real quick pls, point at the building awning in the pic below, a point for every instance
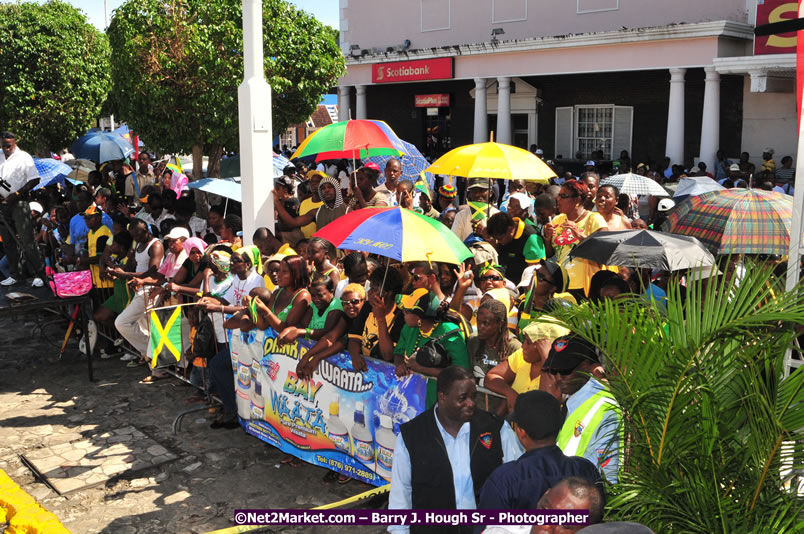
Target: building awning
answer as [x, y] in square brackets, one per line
[771, 73]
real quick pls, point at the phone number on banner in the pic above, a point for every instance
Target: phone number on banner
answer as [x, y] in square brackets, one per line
[411, 517]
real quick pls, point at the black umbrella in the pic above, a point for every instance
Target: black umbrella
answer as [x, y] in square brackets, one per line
[644, 249]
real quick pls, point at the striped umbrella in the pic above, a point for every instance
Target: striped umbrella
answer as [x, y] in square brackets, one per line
[736, 221]
[635, 184]
[354, 139]
[413, 163]
[396, 233]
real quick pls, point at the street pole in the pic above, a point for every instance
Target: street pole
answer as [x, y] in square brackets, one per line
[254, 115]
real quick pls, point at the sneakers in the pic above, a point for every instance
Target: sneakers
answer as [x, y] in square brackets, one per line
[8, 282]
[128, 357]
[37, 282]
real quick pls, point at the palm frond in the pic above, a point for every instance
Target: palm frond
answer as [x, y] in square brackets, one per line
[708, 418]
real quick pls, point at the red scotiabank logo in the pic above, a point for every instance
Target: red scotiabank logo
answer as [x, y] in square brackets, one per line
[409, 71]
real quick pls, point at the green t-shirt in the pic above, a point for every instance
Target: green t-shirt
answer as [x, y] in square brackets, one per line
[411, 339]
[319, 319]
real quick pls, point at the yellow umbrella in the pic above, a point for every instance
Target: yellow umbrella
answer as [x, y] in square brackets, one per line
[492, 160]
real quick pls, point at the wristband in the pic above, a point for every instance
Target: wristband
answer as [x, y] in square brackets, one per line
[307, 333]
[199, 294]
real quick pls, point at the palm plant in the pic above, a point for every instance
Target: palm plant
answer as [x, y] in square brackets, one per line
[710, 422]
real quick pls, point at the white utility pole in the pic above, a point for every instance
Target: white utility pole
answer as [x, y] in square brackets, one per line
[254, 105]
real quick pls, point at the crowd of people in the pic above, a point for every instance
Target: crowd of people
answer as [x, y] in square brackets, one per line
[481, 327]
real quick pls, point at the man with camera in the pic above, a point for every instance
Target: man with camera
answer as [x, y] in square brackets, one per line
[18, 176]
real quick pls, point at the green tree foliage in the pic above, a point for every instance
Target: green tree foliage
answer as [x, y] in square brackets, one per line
[54, 73]
[712, 426]
[176, 67]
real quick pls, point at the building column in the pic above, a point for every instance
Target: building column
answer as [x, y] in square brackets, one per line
[533, 129]
[675, 117]
[360, 108]
[504, 110]
[344, 104]
[481, 112]
[710, 125]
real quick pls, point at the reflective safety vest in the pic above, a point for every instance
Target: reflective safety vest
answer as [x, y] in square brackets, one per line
[582, 424]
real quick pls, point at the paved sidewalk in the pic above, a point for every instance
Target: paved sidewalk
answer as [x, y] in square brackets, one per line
[47, 403]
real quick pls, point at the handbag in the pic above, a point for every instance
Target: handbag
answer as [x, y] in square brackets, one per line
[203, 345]
[433, 353]
[71, 284]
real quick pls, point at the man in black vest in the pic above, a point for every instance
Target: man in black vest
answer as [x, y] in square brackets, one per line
[443, 456]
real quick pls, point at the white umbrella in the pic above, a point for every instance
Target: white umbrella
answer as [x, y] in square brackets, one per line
[694, 186]
[634, 184]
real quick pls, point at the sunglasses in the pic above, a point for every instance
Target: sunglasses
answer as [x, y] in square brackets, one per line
[417, 277]
[237, 260]
[491, 277]
[566, 196]
[353, 302]
[542, 278]
[563, 372]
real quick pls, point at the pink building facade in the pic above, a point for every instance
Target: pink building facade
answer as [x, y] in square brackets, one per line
[655, 78]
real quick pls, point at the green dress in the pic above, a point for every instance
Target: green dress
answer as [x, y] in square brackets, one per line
[411, 339]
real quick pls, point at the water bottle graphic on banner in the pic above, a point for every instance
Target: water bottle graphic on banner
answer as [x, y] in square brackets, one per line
[337, 432]
[362, 442]
[385, 447]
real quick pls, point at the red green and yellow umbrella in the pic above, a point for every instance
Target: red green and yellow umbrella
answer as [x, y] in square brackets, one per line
[353, 139]
[396, 233]
[736, 221]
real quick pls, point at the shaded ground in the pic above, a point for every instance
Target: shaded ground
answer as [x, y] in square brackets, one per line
[45, 401]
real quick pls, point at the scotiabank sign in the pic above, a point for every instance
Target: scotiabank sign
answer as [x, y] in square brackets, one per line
[775, 11]
[412, 71]
[432, 101]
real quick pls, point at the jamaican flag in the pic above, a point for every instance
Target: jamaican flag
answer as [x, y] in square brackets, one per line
[165, 337]
[480, 211]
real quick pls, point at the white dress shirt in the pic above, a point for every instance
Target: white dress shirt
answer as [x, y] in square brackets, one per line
[18, 169]
[401, 498]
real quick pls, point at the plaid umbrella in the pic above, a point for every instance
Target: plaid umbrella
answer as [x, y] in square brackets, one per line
[634, 184]
[50, 168]
[736, 221]
[413, 163]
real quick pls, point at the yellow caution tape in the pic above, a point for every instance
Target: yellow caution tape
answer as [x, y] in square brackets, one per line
[22, 513]
[359, 497]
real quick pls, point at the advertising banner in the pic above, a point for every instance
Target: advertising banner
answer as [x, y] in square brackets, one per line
[431, 101]
[769, 11]
[411, 71]
[340, 419]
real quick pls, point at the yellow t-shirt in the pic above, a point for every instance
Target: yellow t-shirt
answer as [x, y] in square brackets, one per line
[92, 245]
[580, 271]
[522, 381]
[307, 206]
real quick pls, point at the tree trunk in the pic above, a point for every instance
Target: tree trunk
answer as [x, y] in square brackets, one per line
[198, 162]
[214, 164]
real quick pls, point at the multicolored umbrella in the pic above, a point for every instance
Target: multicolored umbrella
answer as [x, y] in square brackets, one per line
[635, 184]
[736, 221]
[354, 139]
[413, 164]
[396, 233]
[492, 160]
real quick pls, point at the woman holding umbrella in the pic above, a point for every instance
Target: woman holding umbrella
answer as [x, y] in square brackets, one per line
[568, 230]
